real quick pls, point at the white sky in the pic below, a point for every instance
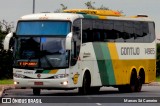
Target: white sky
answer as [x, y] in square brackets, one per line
[12, 10]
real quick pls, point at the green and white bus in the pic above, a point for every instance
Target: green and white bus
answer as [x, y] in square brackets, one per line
[84, 49]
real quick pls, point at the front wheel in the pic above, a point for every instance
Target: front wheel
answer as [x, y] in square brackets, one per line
[85, 89]
[36, 91]
[95, 90]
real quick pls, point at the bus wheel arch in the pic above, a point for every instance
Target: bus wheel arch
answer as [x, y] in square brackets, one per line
[86, 83]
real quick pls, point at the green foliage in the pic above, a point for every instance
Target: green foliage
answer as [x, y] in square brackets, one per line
[158, 60]
[158, 78]
[89, 5]
[103, 8]
[6, 81]
[5, 56]
[63, 7]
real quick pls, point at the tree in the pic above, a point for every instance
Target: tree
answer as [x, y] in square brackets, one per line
[89, 5]
[103, 8]
[63, 7]
[5, 56]
[158, 60]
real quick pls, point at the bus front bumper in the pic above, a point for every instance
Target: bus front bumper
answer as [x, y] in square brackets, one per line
[41, 83]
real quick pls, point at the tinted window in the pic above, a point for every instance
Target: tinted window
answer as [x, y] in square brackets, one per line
[87, 31]
[151, 31]
[43, 28]
[117, 31]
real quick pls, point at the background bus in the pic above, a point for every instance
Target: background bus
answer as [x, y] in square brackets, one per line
[84, 49]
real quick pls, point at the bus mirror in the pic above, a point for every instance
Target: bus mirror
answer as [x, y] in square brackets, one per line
[68, 41]
[7, 40]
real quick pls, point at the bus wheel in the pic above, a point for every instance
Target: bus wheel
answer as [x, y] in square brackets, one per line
[36, 91]
[95, 89]
[122, 88]
[138, 85]
[85, 89]
[133, 81]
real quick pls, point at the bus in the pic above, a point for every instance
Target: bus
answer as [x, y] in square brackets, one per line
[85, 49]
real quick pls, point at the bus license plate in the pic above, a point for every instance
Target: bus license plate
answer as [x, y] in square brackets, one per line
[38, 83]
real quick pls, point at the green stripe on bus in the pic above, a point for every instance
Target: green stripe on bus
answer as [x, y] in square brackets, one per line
[42, 71]
[104, 63]
[101, 63]
[46, 71]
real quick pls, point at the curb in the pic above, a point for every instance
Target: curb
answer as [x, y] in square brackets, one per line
[5, 87]
[1, 91]
[154, 84]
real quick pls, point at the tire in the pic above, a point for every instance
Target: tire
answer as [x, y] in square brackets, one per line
[36, 91]
[138, 85]
[133, 81]
[85, 89]
[95, 90]
[132, 87]
[122, 88]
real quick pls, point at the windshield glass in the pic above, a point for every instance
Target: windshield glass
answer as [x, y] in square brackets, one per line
[41, 52]
[30, 28]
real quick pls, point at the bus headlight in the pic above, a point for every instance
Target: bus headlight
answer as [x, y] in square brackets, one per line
[60, 76]
[18, 75]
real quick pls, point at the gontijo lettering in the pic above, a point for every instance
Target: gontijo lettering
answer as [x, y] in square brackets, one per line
[130, 51]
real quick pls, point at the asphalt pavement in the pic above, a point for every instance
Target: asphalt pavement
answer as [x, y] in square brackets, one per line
[108, 96]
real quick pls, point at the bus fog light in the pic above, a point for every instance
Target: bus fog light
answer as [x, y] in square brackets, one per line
[65, 82]
[15, 83]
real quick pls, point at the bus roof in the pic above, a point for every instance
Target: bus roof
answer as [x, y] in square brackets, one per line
[52, 16]
[71, 15]
[95, 12]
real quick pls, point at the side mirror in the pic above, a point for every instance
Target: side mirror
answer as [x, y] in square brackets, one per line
[7, 40]
[68, 41]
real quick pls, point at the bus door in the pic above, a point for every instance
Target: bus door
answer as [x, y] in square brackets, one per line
[75, 64]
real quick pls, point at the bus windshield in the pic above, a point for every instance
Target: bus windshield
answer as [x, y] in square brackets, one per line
[41, 52]
[31, 28]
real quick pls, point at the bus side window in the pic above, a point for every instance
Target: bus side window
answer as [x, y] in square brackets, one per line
[84, 37]
[151, 27]
[96, 36]
[105, 36]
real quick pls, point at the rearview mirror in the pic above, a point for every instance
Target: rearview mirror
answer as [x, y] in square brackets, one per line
[7, 40]
[68, 41]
